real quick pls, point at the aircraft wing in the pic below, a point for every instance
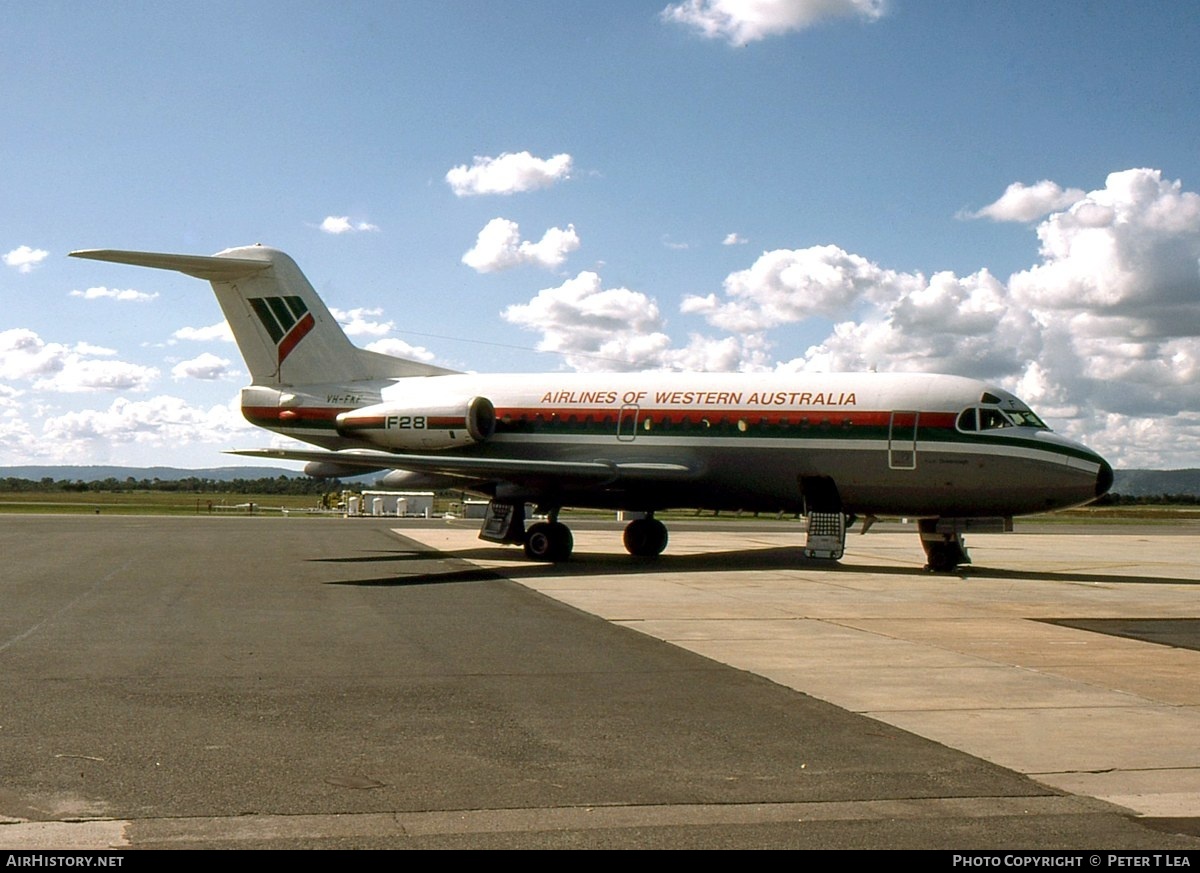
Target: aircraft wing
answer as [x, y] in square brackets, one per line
[599, 472]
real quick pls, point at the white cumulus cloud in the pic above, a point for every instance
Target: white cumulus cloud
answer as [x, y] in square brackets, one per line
[158, 422]
[206, 366]
[398, 348]
[337, 224]
[80, 375]
[596, 328]
[127, 295]
[86, 348]
[218, 331]
[72, 369]
[946, 324]
[785, 286]
[509, 173]
[499, 247]
[1023, 203]
[25, 355]
[1130, 249]
[360, 322]
[23, 258]
[744, 21]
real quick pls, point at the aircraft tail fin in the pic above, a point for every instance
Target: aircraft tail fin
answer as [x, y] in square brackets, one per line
[284, 330]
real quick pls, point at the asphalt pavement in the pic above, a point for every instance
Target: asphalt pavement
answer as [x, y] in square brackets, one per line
[295, 683]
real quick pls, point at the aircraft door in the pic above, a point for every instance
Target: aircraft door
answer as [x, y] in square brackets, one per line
[627, 421]
[902, 440]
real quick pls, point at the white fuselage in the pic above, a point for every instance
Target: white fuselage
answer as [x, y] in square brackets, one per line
[891, 443]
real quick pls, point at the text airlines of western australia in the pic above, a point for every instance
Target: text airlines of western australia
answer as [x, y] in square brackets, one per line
[706, 398]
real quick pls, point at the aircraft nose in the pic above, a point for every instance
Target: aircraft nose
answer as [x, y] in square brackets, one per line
[1104, 478]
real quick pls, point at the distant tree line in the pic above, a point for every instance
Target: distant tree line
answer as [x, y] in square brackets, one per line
[188, 485]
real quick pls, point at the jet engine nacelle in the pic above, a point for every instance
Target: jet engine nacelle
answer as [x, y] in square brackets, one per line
[421, 426]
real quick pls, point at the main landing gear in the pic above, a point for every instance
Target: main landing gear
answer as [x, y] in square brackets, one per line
[551, 540]
[645, 537]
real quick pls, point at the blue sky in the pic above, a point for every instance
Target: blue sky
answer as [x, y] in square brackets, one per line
[722, 185]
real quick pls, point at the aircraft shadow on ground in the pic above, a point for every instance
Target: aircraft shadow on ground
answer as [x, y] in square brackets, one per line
[583, 564]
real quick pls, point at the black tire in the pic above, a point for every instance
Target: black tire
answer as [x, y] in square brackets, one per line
[645, 537]
[549, 541]
[943, 558]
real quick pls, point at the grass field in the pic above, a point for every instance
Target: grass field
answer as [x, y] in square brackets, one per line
[155, 503]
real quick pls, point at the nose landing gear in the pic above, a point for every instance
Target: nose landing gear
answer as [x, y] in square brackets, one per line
[944, 549]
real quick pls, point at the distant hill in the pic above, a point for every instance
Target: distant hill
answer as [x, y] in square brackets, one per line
[1149, 483]
[165, 474]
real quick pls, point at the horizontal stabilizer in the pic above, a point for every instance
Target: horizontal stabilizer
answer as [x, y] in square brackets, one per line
[283, 329]
[214, 269]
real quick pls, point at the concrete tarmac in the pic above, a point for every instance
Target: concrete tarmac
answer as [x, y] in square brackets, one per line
[263, 683]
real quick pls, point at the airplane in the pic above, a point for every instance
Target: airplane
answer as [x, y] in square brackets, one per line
[954, 453]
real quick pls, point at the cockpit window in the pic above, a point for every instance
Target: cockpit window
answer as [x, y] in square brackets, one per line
[991, 418]
[1026, 419]
[978, 418]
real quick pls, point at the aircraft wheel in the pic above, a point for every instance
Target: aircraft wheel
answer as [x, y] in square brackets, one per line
[945, 557]
[944, 552]
[645, 537]
[941, 560]
[549, 541]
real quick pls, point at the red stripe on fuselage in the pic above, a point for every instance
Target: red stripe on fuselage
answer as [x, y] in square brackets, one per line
[298, 416]
[751, 416]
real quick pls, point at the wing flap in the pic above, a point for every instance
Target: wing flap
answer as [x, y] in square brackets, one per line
[596, 472]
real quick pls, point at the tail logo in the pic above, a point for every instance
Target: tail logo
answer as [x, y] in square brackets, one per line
[286, 319]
